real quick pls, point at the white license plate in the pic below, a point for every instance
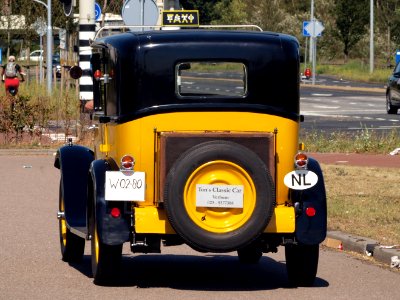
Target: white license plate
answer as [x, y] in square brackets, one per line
[125, 186]
[227, 196]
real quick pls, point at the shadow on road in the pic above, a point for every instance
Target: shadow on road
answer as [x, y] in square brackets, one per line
[205, 273]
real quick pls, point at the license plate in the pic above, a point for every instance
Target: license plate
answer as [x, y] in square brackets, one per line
[125, 186]
[226, 196]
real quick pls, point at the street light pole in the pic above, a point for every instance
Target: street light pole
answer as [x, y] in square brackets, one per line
[313, 45]
[49, 63]
[371, 38]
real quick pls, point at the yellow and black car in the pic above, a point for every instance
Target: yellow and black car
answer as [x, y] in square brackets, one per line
[197, 143]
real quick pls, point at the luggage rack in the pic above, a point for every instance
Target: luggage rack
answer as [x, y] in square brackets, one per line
[124, 28]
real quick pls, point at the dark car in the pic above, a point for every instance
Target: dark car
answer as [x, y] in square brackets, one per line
[56, 65]
[393, 92]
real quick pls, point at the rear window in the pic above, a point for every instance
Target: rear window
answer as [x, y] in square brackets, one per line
[211, 79]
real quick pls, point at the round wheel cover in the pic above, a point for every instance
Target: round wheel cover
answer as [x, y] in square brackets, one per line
[219, 227]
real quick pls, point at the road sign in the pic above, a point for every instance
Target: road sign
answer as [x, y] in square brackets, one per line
[97, 11]
[40, 26]
[312, 28]
[140, 12]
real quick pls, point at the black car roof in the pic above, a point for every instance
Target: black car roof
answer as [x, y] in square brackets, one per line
[145, 68]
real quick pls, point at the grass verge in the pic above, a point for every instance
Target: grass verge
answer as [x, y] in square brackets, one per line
[364, 141]
[355, 70]
[364, 201]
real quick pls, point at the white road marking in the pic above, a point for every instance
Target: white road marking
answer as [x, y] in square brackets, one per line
[322, 95]
[326, 106]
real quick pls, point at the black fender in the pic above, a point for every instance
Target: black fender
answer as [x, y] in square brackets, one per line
[311, 230]
[74, 162]
[111, 231]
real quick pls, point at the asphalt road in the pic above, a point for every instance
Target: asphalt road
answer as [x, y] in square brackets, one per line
[346, 106]
[31, 265]
[330, 105]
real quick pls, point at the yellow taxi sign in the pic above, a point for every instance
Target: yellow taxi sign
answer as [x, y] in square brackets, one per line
[180, 18]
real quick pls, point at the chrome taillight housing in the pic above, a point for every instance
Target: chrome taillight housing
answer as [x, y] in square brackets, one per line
[127, 163]
[300, 161]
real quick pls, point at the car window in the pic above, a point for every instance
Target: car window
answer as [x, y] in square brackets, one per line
[397, 69]
[211, 79]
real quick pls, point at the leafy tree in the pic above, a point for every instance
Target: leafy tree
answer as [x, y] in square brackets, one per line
[388, 21]
[206, 9]
[231, 12]
[295, 6]
[352, 16]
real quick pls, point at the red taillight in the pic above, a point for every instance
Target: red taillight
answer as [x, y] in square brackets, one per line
[301, 160]
[127, 162]
[115, 212]
[310, 211]
[97, 74]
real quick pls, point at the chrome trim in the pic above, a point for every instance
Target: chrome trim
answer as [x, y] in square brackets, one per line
[61, 215]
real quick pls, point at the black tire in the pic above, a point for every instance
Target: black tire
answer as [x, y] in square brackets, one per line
[250, 254]
[105, 259]
[184, 216]
[302, 264]
[392, 110]
[72, 246]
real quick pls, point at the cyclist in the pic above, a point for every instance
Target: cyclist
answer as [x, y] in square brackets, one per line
[9, 75]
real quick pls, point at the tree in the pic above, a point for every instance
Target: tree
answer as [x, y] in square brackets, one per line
[388, 20]
[231, 12]
[206, 9]
[352, 17]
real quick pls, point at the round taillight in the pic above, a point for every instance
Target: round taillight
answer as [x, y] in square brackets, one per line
[301, 160]
[127, 162]
[115, 212]
[310, 211]
[97, 74]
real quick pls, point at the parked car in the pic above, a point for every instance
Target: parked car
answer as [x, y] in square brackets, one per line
[56, 65]
[196, 142]
[36, 55]
[393, 91]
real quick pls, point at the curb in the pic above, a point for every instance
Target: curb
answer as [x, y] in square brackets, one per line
[345, 88]
[16, 152]
[365, 246]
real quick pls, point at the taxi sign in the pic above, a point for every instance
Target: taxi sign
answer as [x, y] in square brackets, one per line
[180, 18]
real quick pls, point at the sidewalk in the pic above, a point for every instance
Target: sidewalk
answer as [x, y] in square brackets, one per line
[355, 159]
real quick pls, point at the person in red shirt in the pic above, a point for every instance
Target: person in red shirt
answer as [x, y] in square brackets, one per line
[9, 75]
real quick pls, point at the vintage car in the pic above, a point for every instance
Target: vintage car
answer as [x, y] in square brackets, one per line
[196, 142]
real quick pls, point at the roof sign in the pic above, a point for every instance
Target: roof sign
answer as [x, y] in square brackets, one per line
[180, 18]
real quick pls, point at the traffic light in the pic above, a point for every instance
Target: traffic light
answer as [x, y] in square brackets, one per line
[67, 5]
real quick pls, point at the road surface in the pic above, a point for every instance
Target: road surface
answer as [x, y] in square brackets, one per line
[329, 109]
[31, 266]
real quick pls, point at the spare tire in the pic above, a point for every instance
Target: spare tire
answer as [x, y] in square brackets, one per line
[219, 228]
